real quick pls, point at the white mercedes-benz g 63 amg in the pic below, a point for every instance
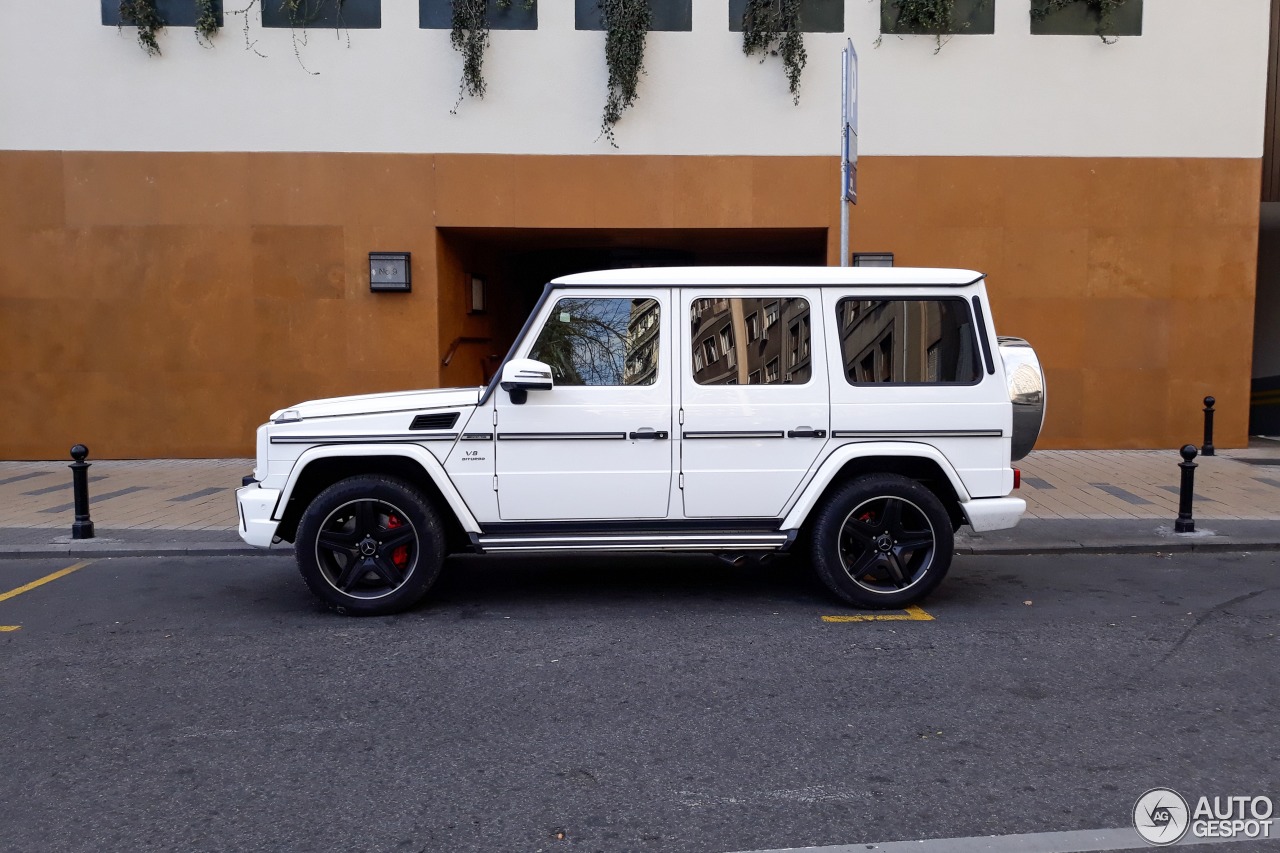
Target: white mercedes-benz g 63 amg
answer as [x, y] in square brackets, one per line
[859, 415]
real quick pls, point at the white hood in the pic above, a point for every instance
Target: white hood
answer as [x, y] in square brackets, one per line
[397, 401]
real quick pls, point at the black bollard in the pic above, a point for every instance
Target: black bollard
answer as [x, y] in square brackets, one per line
[1207, 447]
[1185, 523]
[83, 526]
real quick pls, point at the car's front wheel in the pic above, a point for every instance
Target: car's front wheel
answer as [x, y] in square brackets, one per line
[882, 541]
[370, 546]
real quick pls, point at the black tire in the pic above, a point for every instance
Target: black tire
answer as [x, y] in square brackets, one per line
[370, 546]
[882, 541]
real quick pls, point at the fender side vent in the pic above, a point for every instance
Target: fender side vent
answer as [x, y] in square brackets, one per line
[441, 420]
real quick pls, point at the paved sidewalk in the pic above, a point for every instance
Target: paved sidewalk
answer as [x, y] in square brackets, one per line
[1095, 501]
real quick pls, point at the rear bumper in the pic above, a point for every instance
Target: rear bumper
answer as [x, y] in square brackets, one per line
[255, 506]
[993, 513]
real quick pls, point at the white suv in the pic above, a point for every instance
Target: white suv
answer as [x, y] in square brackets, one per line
[860, 415]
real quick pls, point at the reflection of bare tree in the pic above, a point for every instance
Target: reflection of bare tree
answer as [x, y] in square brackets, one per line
[585, 341]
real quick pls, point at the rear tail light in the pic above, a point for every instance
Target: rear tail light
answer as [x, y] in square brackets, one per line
[1017, 478]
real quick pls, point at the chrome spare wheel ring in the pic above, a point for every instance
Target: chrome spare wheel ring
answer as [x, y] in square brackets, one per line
[886, 544]
[367, 548]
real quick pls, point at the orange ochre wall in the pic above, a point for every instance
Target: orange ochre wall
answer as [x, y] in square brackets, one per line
[162, 305]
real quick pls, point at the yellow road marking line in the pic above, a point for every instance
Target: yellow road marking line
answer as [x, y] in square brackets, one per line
[44, 580]
[911, 614]
[4, 628]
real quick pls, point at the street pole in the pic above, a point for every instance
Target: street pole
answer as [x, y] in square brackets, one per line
[844, 202]
[844, 159]
[848, 143]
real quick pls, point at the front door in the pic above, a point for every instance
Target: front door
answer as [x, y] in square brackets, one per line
[598, 444]
[753, 399]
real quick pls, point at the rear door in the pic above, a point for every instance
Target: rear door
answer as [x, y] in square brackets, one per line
[908, 365]
[754, 404]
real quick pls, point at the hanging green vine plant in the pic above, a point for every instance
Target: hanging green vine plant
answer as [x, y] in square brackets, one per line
[303, 13]
[772, 28]
[470, 37]
[143, 15]
[206, 22]
[1105, 8]
[249, 43]
[626, 25]
[931, 17]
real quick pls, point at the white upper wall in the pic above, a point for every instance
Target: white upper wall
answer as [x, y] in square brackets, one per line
[1193, 85]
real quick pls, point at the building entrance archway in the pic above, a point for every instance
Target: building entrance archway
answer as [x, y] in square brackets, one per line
[513, 265]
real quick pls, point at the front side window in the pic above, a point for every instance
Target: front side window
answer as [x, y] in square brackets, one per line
[600, 341]
[739, 341]
[908, 342]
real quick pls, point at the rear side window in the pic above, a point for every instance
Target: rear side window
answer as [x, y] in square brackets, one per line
[907, 342]
[751, 341]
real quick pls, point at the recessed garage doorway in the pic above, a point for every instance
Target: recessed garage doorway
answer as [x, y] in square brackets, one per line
[490, 278]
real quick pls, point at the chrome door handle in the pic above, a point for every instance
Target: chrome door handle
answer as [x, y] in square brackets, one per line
[806, 432]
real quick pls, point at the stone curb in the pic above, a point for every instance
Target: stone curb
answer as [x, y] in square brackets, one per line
[1161, 547]
[222, 549]
[128, 549]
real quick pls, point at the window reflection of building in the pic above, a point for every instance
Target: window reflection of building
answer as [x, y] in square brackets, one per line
[906, 340]
[741, 341]
[642, 343]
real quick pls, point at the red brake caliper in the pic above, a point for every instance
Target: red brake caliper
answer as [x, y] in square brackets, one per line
[400, 556]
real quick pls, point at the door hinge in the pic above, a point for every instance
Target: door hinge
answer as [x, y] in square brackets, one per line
[495, 484]
[495, 417]
[682, 416]
[682, 481]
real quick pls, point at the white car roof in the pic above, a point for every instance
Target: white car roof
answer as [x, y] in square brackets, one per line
[776, 276]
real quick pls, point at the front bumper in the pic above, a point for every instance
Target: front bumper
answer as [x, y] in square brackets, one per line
[993, 513]
[255, 505]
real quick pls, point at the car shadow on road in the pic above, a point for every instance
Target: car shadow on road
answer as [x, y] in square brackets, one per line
[655, 578]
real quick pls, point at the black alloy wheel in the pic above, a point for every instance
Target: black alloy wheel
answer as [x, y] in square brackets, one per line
[882, 541]
[370, 546]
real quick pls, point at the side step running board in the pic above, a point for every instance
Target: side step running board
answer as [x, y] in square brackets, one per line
[727, 540]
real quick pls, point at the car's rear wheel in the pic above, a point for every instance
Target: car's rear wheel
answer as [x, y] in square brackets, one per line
[370, 546]
[882, 541]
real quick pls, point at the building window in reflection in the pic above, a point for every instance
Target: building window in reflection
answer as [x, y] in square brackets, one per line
[908, 341]
[733, 343]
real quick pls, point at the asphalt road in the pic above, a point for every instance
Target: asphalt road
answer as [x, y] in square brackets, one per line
[638, 703]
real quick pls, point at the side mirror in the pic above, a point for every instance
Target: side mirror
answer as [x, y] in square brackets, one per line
[522, 375]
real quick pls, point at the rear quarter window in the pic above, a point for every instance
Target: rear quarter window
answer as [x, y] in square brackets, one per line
[915, 341]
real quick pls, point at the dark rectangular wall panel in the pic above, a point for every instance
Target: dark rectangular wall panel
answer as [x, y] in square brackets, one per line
[1081, 19]
[351, 14]
[971, 18]
[438, 15]
[174, 13]
[668, 15]
[816, 16]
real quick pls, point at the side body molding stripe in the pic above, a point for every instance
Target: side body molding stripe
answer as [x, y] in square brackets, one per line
[364, 439]
[909, 433]
[561, 436]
